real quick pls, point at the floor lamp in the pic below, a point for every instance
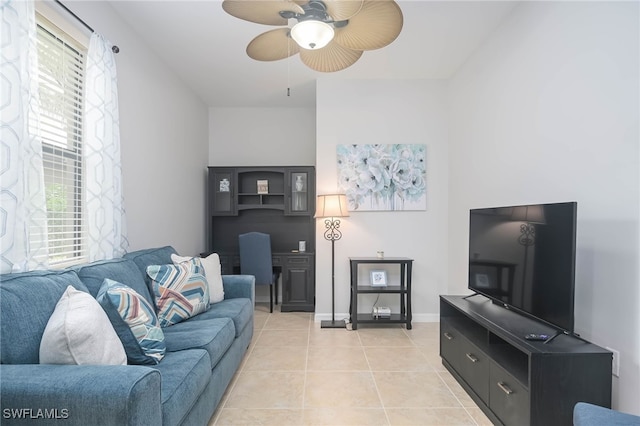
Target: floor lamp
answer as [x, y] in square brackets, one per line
[331, 206]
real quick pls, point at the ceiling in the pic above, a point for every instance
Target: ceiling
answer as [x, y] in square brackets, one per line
[205, 46]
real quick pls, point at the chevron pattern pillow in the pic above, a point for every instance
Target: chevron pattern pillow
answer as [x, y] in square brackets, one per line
[135, 321]
[212, 272]
[181, 290]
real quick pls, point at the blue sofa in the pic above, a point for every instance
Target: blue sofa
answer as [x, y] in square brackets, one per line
[184, 388]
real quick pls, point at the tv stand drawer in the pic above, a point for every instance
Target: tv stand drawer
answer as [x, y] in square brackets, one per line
[471, 363]
[508, 398]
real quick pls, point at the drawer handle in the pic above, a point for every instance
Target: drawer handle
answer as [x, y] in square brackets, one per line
[506, 389]
[472, 357]
[448, 336]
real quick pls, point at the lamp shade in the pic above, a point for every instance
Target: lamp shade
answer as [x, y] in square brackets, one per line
[331, 205]
[312, 34]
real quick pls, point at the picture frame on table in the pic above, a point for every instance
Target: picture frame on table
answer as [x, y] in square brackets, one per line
[378, 278]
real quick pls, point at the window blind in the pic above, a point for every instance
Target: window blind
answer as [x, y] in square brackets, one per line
[61, 67]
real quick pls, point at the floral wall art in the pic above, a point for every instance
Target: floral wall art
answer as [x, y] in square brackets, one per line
[378, 177]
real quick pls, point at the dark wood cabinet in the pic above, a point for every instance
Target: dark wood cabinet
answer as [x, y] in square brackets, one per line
[298, 277]
[299, 199]
[222, 190]
[513, 380]
[279, 201]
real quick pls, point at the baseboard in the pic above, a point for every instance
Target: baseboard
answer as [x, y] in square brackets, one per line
[415, 317]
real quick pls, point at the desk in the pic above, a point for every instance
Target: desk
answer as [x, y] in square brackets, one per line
[403, 289]
[283, 209]
[298, 277]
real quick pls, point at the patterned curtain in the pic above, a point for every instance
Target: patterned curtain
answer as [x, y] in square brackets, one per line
[23, 216]
[107, 236]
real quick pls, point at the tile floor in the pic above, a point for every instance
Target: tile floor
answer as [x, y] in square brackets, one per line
[296, 373]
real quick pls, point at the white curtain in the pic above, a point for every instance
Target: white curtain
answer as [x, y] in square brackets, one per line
[107, 236]
[23, 216]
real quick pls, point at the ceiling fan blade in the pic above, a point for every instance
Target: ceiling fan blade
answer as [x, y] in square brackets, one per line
[340, 10]
[375, 26]
[272, 46]
[331, 58]
[261, 11]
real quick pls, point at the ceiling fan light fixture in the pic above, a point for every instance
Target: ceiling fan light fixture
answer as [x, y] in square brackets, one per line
[312, 34]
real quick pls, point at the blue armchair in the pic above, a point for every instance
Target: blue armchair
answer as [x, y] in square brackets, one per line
[585, 414]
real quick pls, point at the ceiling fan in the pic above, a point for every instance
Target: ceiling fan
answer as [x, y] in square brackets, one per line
[330, 35]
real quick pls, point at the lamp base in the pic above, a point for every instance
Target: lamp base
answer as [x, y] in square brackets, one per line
[333, 324]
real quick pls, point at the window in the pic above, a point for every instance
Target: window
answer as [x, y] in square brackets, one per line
[61, 71]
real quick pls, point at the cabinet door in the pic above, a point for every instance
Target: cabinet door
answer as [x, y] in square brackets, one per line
[450, 345]
[300, 191]
[222, 191]
[298, 284]
[508, 399]
[475, 369]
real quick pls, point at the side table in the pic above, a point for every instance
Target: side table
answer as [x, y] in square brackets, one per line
[403, 289]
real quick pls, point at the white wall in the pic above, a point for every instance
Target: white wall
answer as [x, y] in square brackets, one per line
[262, 136]
[384, 112]
[163, 130]
[547, 110]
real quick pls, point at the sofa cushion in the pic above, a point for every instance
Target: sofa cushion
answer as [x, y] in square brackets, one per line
[121, 270]
[135, 321]
[213, 335]
[80, 333]
[185, 374]
[181, 291]
[213, 272]
[27, 301]
[151, 256]
[240, 310]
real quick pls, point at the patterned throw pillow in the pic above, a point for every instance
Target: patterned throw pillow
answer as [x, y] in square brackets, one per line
[135, 321]
[181, 291]
[212, 270]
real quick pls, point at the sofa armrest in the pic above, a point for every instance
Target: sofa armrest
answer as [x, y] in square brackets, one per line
[239, 286]
[79, 395]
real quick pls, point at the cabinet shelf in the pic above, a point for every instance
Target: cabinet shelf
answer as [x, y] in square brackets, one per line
[270, 194]
[381, 289]
[394, 319]
[260, 206]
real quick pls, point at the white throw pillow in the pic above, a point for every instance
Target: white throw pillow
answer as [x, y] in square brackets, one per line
[212, 272]
[80, 333]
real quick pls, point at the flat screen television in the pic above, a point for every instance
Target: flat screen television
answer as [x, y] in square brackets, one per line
[523, 257]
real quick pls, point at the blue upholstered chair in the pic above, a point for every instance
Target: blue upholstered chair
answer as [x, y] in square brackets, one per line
[593, 415]
[255, 259]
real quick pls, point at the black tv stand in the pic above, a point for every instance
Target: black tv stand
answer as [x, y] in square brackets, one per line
[513, 380]
[556, 334]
